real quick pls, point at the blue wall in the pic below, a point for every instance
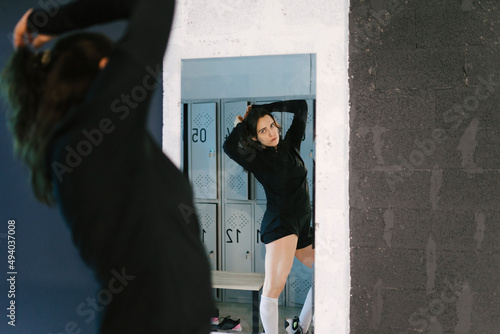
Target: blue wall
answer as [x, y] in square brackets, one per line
[51, 278]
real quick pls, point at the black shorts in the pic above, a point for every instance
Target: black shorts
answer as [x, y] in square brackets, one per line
[281, 227]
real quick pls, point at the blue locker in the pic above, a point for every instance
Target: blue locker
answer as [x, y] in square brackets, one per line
[207, 215]
[202, 137]
[237, 238]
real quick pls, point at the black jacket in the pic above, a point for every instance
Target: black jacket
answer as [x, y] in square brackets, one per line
[129, 208]
[281, 171]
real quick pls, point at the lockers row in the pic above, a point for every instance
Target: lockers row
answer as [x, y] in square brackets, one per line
[230, 202]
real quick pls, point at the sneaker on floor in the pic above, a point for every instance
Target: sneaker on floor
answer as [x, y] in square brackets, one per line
[229, 324]
[292, 326]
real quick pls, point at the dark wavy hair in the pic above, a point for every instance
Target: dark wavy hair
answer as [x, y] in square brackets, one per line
[40, 88]
[253, 117]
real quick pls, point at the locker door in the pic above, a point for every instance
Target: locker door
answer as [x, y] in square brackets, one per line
[203, 143]
[235, 178]
[207, 214]
[237, 239]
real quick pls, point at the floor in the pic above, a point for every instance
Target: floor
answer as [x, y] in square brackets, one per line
[244, 313]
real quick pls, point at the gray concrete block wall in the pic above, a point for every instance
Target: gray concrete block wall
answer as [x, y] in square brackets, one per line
[425, 166]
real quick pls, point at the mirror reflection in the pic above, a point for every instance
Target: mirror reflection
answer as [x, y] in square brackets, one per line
[248, 150]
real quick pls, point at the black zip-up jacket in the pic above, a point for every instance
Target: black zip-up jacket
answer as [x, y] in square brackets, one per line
[130, 210]
[281, 171]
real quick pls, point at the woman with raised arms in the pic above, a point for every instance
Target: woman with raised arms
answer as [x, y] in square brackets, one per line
[255, 144]
[78, 120]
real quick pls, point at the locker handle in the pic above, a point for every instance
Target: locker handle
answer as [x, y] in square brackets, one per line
[247, 255]
[210, 254]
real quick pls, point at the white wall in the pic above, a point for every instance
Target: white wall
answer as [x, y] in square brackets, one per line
[233, 28]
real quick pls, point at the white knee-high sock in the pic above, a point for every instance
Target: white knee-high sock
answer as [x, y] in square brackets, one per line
[306, 313]
[269, 314]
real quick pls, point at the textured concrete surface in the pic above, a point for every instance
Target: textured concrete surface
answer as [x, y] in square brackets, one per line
[424, 167]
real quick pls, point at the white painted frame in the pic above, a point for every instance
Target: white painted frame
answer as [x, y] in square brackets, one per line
[234, 28]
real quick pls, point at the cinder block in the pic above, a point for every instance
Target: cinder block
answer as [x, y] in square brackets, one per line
[457, 107]
[396, 307]
[362, 153]
[396, 268]
[479, 270]
[466, 231]
[409, 150]
[485, 318]
[463, 190]
[483, 61]
[486, 153]
[389, 25]
[420, 68]
[361, 71]
[393, 109]
[388, 228]
[449, 24]
[380, 189]
[413, 310]
[401, 307]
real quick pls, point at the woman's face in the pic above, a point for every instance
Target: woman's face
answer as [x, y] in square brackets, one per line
[267, 131]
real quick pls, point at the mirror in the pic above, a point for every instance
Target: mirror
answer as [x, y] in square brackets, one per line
[230, 202]
[221, 29]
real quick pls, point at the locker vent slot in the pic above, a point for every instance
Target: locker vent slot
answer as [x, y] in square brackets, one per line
[204, 183]
[235, 182]
[300, 287]
[238, 220]
[206, 220]
[203, 120]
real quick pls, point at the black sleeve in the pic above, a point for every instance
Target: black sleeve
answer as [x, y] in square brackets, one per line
[296, 131]
[146, 35]
[77, 15]
[243, 157]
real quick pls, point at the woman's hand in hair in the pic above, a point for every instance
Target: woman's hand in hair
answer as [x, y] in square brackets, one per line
[238, 120]
[249, 108]
[24, 36]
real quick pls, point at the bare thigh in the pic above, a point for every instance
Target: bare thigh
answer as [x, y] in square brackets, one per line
[278, 263]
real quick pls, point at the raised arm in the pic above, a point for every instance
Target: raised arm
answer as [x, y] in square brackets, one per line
[146, 35]
[77, 15]
[234, 150]
[296, 131]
